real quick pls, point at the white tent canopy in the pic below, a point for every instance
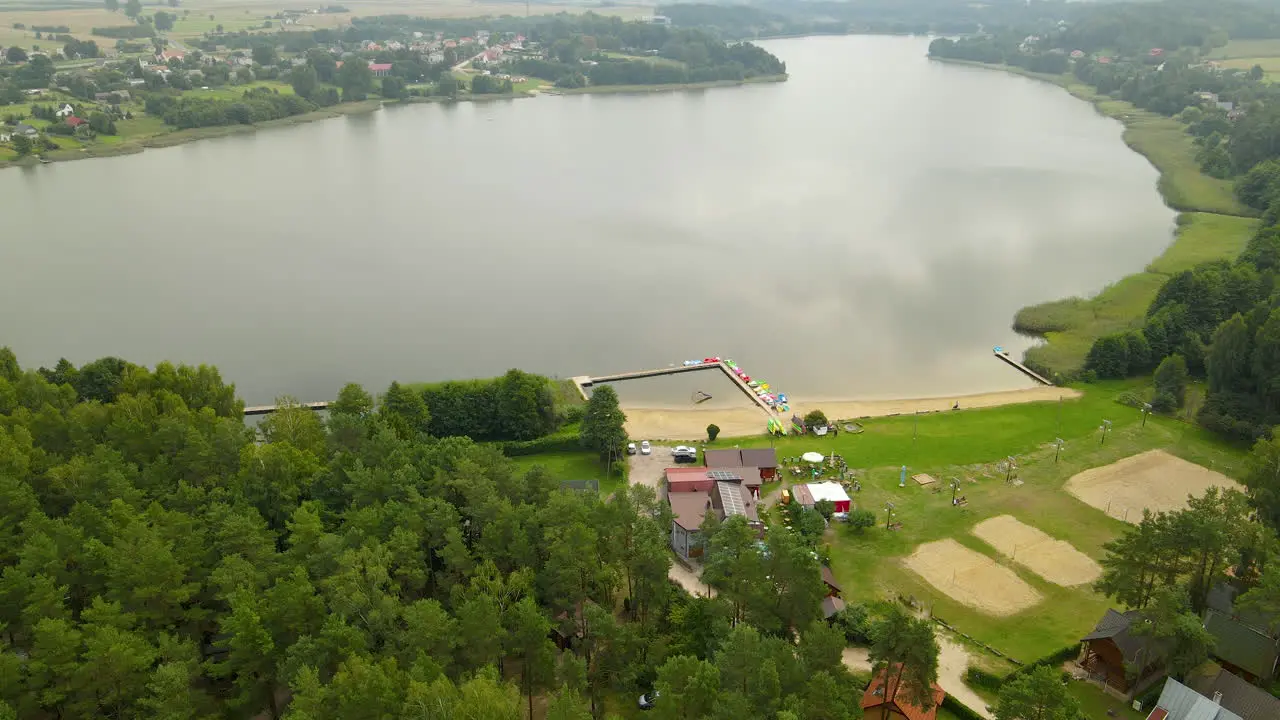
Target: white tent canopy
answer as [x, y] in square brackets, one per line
[812, 457]
[828, 491]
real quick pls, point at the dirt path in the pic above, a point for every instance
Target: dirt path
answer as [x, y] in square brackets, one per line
[688, 580]
[953, 660]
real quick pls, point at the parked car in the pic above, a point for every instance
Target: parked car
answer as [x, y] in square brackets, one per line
[631, 448]
[648, 700]
[645, 449]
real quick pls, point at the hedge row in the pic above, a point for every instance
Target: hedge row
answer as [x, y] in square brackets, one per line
[977, 677]
[1053, 660]
[960, 710]
[551, 443]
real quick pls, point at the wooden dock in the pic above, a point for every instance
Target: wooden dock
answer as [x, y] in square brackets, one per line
[1022, 368]
[268, 409]
[583, 381]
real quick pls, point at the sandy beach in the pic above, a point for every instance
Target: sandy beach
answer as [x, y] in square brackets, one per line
[691, 424]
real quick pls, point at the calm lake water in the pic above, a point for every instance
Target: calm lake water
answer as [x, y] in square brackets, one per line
[867, 229]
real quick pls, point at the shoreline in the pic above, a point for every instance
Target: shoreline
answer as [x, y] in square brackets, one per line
[1208, 214]
[181, 137]
[684, 423]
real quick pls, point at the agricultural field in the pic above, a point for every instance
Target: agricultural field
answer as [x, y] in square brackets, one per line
[1270, 66]
[1247, 49]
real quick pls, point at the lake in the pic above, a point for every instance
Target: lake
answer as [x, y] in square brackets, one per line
[866, 229]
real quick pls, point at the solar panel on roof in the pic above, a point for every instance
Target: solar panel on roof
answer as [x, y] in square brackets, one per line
[719, 475]
[731, 499]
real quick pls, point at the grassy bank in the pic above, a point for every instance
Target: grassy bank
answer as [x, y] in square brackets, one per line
[1070, 326]
[967, 445]
[1212, 225]
[126, 145]
[674, 87]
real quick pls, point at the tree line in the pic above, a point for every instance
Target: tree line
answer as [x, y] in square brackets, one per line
[254, 106]
[159, 559]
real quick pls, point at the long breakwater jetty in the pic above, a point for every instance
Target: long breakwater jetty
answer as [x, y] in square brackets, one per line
[582, 382]
[268, 409]
[1022, 368]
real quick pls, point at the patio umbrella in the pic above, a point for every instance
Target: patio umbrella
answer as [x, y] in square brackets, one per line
[812, 457]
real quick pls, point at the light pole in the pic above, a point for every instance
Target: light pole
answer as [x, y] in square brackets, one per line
[1009, 468]
[889, 516]
[955, 485]
[1146, 410]
[1105, 428]
[1057, 449]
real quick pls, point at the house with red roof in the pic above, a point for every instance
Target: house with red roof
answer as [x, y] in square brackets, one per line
[881, 695]
[380, 69]
[74, 121]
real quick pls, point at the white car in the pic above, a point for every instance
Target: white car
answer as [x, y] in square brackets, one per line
[631, 448]
[645, 449]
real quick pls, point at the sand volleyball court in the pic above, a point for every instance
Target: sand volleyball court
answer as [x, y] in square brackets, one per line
[1154, 480]
[1054, 560]
[972, 578]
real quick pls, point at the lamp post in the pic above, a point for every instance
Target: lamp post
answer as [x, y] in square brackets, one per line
[889, 516]
[955, 485]
[1008, 471]
[1146, 410]
[1057, 449]
[1105, 428]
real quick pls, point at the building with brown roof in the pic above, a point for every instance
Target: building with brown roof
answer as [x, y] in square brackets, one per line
[895, 704]
[1112, 649]
[700, 494]
[764, 461]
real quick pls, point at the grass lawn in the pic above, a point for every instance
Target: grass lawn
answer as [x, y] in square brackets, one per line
[967, 444]
[141, 126]
[235, 92]
[530, 84]
[1096, 704]
[576, 465]
[1071, 325]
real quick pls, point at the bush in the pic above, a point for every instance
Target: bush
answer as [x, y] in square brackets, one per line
[815, 417]
[1164, 402]
[713, 431]
[1131, 399]
[1109, 357]
[855, 622]
[859, 520]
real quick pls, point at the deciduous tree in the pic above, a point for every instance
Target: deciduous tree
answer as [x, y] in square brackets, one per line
[1036, 695]
[602, 430]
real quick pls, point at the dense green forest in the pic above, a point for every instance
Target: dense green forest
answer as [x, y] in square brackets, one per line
[158, 559]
